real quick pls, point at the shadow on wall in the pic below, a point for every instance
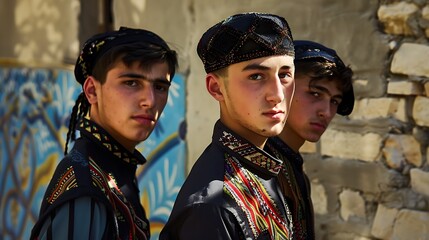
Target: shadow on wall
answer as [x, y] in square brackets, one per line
[35, 105]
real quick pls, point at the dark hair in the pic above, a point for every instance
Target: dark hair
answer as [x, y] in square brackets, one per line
[145, 54]
[223, 72]
[323, 69]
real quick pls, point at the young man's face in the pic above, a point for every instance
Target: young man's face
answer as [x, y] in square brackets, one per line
[313, 107]
[130, 102]
[256, 97]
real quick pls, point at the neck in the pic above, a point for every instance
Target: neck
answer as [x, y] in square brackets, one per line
[293, 140]
[254, 138]
[259, 143]
[129, 145]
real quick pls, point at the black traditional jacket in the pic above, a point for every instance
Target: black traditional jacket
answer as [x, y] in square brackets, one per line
[100, 168]
[296, 189]
[232, 192]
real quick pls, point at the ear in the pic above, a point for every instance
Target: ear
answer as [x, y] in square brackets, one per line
[89, 88]
[213, 85]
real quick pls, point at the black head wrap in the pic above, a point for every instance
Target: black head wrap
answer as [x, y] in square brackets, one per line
[99, 44]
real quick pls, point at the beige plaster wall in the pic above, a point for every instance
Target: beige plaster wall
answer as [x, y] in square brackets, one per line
[41, 32]
[348, 26]
[50, 36]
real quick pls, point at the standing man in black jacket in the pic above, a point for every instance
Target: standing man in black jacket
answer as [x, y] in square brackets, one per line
[323, 88]
[125, 77]
[232, 191]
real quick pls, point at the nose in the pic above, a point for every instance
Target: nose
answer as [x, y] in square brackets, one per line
[326, 110]
[275, 92]
[148, 96]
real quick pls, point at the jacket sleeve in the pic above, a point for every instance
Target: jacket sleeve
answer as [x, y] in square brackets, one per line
[202, 221]
[81, 218]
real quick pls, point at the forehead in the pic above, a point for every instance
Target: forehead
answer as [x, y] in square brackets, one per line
[143, 64]
[158, 69]
[331, 85]
[270, 62]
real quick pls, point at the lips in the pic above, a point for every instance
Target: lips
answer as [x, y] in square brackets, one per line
[319, 126]
[275, 114]
[145, 119]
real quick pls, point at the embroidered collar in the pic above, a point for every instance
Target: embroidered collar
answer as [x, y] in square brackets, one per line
[97, 134]
[285, 150]
[245, 151]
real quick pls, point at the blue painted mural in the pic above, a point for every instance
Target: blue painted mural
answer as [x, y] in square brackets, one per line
[35, 105]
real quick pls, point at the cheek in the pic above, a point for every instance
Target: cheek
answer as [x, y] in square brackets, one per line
[295, 119]
[299, 100]
[333, 113]
[289, 92]
[161, 101]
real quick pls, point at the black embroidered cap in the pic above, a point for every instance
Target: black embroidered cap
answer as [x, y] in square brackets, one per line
[305, 49]
[243, 37]
[99, 44]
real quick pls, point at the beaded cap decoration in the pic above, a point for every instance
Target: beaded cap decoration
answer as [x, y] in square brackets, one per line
[243, 37]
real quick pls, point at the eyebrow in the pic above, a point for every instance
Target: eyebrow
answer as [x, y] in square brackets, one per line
[143, 77]
[255, 66]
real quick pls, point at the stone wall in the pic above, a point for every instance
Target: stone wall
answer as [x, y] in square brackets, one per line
[370, 172]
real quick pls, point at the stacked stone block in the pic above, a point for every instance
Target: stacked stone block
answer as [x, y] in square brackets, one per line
[370, 171]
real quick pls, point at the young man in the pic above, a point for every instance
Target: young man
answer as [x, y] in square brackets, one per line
[232, 190]
[125, 77]
[323, 87]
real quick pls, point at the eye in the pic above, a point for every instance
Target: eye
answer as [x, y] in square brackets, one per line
[162, 87]
[131, 83]
[336, 102]
[256, 76]
[285, 77]
[315, 94]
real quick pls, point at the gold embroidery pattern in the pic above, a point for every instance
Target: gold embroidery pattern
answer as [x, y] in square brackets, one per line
[66, 182]
[91, 128]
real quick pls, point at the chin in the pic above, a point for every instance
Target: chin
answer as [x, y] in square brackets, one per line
[272, 133]
[312, 139]
[138, 139]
